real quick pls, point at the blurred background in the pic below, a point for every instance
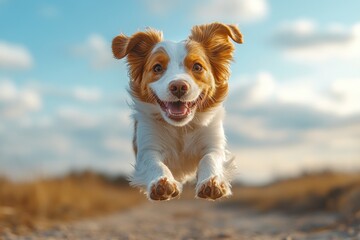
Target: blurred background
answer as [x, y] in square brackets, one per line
[294, 103]
[293, 107]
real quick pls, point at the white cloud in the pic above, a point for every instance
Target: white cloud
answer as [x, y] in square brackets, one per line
[97, 50]
[339, 96]
[346, 94]
[316, 150]
[283, 128]
[232, 11]
[254, 128]
[263, 89]
[305, 41]
[16, 102]
[299, 28]
[77, 117]
[75, 139]
[8, 91]
[14, 57]
[87, 94]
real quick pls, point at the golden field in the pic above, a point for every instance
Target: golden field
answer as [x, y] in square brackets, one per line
[334, 192]
[40, 204]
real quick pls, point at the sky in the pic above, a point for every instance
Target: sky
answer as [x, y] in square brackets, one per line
[293, 106]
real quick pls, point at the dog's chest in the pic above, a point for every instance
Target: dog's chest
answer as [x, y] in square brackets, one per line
[183, 150]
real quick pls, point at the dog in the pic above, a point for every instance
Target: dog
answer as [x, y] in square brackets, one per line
[178, 89]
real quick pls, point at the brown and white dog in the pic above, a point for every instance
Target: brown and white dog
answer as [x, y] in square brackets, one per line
[178, 89]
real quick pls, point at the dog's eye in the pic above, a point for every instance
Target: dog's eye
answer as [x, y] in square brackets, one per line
[197, 67]
[157, 68]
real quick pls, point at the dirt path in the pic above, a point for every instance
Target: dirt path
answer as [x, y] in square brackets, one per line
[197, 219]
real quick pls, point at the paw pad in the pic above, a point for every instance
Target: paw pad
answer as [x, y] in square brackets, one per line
[212, 190]
[163, 190]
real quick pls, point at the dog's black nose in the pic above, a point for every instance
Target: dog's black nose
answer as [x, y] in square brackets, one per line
[179, 88]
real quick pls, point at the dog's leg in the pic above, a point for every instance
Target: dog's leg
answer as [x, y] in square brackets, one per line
[150, 171]
[155, 176]
[213, 178]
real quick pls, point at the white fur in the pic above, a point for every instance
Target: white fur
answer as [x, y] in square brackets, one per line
[179, 152]
[165, 149]
[175, 71]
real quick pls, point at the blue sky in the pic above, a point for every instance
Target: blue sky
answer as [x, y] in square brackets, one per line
[294, 103]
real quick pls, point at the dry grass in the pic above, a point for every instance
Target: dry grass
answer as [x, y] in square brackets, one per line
[39, 204]
[42, 203]
[334, 192]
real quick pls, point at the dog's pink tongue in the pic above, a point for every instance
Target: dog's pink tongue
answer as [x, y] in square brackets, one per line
[177, 108]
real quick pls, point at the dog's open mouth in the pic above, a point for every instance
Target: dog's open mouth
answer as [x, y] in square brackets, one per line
[178, 110]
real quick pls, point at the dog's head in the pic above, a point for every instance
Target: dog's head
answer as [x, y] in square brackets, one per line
[179, 78]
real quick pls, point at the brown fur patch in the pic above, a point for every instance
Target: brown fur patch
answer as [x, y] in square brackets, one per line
[214, 39]
[137, 48]
[158, 57]
[204, 79]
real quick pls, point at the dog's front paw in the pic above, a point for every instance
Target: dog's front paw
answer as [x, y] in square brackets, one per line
[212, 189]
[164, 189]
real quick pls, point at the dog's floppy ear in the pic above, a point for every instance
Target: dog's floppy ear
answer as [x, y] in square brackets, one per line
[136, 48]
[216, 31]
[215, 39]
[138, 44]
